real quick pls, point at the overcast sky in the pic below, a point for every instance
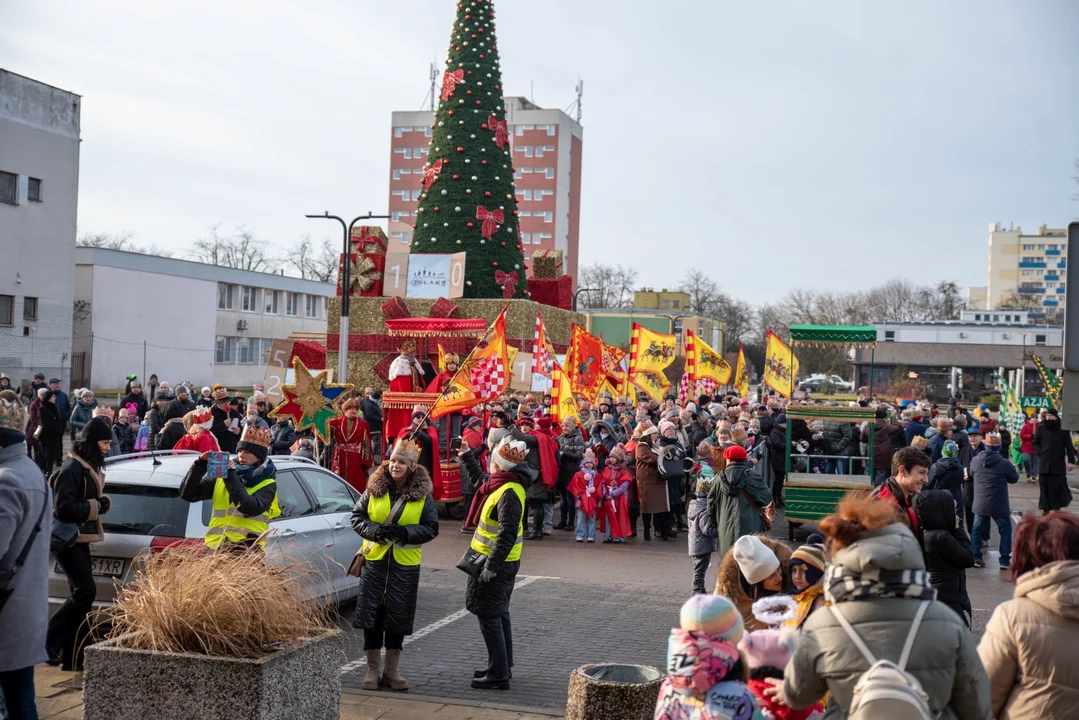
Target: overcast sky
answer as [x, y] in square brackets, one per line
[828, 144]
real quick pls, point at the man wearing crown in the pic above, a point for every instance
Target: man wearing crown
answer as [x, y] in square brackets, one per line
[199, 436]
[352, 446]
[449, 425]
[244, 500]
[405, 376]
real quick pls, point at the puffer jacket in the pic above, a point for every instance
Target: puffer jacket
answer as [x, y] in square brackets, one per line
[1029, 649]
[571, 449]
[838, 439]
[936, 443]
[947, 474]
[82, 414]
[492, 598]
[992, 474]
[384, 582]
[947, 549]
[944, 658]
[729, 581]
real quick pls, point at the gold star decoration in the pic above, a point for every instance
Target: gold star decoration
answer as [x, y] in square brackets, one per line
[311, 401]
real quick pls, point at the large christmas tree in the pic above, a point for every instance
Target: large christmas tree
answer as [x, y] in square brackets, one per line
[467, 200]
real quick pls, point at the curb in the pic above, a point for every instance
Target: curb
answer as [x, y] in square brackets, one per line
[405, 696]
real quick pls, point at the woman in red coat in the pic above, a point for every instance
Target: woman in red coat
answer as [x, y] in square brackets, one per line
[352, 446]
[615, 511]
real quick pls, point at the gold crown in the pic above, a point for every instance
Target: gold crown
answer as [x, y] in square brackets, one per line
[12, 413]
[408, 346]
[220, 392]
[406, 448]
[452, 359]
[515, 455]
[256, 436]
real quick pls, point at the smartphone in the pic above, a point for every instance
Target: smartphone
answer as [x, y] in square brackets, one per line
[455, 444]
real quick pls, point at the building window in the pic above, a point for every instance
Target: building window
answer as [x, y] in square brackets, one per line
[520, 129]
[889, 336]
[406, 152]
[311, 306]
[396, 215]
[33, 190]
[225, 350]
[538, 238]
[247, 298]
[398, 172]
[540, 149]
[416, 194]
[9, 185]
[526, 194]
[29, 308]
[1039, 339]
[1028, 248]
[7, 309]
[526, 238]
[272, 297]
[676, 304]
[526, 149]
[402, 236]
[292, 303]
[977, 317]
[264, 355]
[248, 350]
[224, 296]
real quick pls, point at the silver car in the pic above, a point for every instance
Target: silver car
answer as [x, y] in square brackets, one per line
[147, 515]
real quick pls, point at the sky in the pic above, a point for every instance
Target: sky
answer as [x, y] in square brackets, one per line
[828, 145]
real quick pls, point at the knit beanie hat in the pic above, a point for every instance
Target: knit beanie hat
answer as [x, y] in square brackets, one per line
[950, 449]
[712, 614]
[509, 454]
[755, 560]
[768, 648]
[255, 440]
[814, 558]
[96, 430]
[666, 425]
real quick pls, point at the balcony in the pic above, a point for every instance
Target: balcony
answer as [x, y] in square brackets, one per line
[1052, 252]
[1051, 303]
[1031, 290]
[1031, 264]
[1061, 291]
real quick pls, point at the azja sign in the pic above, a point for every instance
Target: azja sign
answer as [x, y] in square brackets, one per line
[1034, 402]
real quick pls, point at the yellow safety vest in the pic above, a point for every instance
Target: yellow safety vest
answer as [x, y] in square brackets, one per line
[378, 509]
[483, 540]
[226, 522]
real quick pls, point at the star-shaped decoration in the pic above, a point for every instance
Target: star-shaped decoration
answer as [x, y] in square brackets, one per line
[311, 401]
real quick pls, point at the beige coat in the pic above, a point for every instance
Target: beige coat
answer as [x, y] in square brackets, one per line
[652, 488]
[1031, 646]
[944, 658]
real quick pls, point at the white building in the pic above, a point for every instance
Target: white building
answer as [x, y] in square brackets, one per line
[1024, 271]
[184, 320]
[39, 191]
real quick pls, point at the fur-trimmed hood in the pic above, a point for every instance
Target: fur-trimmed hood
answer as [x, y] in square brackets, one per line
[417, 483]
[729, 585]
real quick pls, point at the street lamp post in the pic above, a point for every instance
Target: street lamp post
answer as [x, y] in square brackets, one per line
[579, 291]
[346, 284]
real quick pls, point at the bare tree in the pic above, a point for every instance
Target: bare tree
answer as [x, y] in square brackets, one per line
[117, 241]
[703, 292]
[738, 316]
[612, 286]
[242, 251]
[313, 262]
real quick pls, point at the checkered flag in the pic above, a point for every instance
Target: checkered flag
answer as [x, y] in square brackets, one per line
[683, 390]
[488, 377]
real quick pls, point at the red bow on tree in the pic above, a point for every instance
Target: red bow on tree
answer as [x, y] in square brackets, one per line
[508, 281]
[430, 174]
[491, 220]
[501, 130]
[450, 81]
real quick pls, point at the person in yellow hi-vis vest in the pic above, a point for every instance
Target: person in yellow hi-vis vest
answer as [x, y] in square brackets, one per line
[395, 517]
[497, 512]
[244, 499]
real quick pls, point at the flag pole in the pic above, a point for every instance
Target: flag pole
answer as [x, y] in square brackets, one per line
[483, 339]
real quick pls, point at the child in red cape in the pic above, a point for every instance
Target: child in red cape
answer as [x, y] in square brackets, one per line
[587, 491]
[614, 514]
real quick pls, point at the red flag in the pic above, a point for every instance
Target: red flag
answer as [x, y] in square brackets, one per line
[586, 372]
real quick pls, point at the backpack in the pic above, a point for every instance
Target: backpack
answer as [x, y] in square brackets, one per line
[886, 691]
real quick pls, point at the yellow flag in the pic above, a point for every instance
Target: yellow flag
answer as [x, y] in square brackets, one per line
[483, 377]
[780, 366]
[655, 385]
[704, 363]
[563, 404]
[441, 359]
[741, 376]
[649, 351]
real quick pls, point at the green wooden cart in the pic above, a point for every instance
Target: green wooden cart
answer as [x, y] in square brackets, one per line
[811, 497]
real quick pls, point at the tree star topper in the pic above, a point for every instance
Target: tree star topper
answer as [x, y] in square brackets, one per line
[311, 401]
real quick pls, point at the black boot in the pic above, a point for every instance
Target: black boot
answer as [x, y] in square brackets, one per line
[477, 674]
[487, 683]
[647, 534]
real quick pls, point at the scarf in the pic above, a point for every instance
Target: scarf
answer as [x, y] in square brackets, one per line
[494, 481]
[842, 585]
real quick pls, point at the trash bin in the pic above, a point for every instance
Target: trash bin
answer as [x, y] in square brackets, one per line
[608, 691]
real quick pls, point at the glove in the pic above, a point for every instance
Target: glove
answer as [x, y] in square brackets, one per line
[396, 533]
[486, 575]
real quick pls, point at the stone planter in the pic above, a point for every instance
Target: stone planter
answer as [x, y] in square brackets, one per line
[613, 692]
[302, 681]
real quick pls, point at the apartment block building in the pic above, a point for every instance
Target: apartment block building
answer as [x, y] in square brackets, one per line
[1025, 272]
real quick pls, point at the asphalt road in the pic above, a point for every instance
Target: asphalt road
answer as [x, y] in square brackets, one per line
[577, 604]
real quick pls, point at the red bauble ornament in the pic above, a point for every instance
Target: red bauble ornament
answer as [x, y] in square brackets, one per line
[460, 149]
[484, 126]
[518, 247]
[470, 224]
[436, 208]
[495, 263]
[451, 113]
[483, 162]
[473, 36]
[468, 92]
[514, 212]
[481, 56]
[487, 193]
[478, 102]
[503, 244]
[456, 176]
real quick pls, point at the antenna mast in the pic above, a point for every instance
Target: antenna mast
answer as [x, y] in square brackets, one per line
[580, 94]
[434, 78]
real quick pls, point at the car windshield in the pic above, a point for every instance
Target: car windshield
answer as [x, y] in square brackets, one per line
[146, 510]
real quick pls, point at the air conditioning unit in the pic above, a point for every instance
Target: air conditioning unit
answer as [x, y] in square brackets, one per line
[241, 325]
[962, 334]
[1005, 335]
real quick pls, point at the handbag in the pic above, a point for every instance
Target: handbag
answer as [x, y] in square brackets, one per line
[64, 535]
[760, 513]
[7, 577]
[472, 562]
[355, 567]
[38, 432]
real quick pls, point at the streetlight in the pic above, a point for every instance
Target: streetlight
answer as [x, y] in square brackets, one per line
[346, 283]
[579, 291]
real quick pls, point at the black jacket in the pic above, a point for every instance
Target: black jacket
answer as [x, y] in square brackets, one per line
[140, 405]
[281, 438]
[372, 414]
[947, 550]
[492, 598]
[197, 485]
[947, 474]
[385, 583]
[1054, 448]
[74, 492]
[226, 439]
[992, 473]
[170, 435]
[125, 435]
[52, 430]
[571, 452]
[777, 448]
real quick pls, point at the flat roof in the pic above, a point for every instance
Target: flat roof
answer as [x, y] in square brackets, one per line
[139, 262]
[34, 80]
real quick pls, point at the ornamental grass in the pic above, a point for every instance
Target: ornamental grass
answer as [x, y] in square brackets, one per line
[222, 604]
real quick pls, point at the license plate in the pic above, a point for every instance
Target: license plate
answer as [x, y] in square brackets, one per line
[111, 567]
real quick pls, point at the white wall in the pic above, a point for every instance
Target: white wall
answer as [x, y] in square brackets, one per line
[974, 334]
[174, 315]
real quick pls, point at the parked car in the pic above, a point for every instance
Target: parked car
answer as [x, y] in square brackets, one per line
[826, 383]
[147, 516]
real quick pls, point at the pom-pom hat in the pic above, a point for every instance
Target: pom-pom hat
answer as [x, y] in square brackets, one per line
[712, 614]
